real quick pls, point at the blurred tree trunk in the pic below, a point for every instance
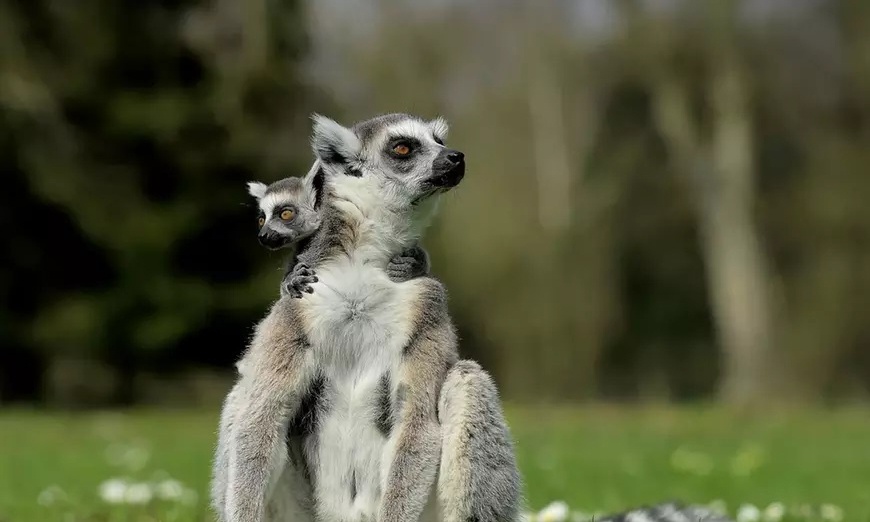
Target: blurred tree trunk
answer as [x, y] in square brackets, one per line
[552, 167]
[570, 327]
[721, 175]
[552, 174]
[737, 265]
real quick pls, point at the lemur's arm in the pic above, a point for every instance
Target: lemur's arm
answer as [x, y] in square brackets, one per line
[298, 276]
[298, 281]
[408, 264]
[414, 465]
[220, 470]
[277, 374]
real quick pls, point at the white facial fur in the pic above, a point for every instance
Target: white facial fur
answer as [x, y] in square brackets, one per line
[385, 183]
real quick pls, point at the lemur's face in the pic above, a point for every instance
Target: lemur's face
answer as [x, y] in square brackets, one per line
[286, 212]
[400, 158]
[409, 156]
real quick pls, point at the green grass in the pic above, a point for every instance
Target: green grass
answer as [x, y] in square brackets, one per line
[602, 458]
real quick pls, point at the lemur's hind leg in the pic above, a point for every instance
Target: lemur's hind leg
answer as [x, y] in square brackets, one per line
[291, 498]
[478, 478]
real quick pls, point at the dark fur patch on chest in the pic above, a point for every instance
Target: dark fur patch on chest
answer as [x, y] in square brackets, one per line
[385, 417]
[305, 421]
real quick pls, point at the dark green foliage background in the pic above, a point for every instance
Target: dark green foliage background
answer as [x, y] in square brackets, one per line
[128, 238]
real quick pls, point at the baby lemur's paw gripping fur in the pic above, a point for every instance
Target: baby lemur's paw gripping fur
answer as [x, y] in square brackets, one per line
[299, 281]
[409, 264]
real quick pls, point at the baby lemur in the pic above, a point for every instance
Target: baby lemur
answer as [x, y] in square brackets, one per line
[351, 403]
[288, 216]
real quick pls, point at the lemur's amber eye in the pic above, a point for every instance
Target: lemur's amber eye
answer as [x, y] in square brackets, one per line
[287, 214]
[401, 149]
[261, 221]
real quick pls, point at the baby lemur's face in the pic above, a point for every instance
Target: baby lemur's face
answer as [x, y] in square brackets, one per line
[287, 212]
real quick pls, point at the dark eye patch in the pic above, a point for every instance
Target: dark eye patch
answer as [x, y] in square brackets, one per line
[276, 212]
[411, 143]
[438, 140]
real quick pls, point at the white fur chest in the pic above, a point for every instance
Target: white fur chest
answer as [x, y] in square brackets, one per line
[359, 321]
[357, 315]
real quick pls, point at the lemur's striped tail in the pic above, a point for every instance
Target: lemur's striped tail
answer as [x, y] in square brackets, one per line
[667, 512]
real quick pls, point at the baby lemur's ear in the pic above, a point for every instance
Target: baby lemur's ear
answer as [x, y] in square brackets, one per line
[333, 143]
[257, 189]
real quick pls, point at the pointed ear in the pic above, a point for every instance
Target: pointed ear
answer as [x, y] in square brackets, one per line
[439, 128]
[333, 143]
[257, 189]
[313, 183]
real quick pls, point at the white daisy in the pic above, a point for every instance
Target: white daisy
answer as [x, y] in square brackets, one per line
[555, 512]
[169, 489]
[113, 491]
[139, 493]
[774, 512]
[831, 512]
[748, 513]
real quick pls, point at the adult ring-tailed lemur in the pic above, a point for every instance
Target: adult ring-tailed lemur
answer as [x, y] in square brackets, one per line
[266, 474]
[350, 404]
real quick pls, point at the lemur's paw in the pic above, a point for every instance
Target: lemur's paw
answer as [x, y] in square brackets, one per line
[407, 265]
[298, 282]
[402, 267]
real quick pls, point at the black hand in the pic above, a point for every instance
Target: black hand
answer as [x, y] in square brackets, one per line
[408, 265]
[299, 281]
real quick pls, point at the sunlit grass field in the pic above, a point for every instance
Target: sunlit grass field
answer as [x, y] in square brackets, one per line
[72, 467]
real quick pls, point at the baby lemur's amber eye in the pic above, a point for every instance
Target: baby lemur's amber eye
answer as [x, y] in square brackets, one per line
[261, 221]
[287, 214]
[402, 149]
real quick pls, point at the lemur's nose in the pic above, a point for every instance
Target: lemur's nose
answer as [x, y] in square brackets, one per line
[455, 156]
